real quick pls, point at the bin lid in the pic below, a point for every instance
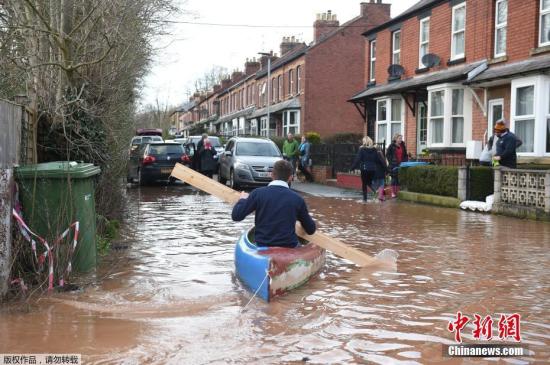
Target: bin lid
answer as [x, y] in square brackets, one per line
[58, 170]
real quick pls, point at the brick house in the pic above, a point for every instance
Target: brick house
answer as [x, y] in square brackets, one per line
[444, 71]
[309, 84]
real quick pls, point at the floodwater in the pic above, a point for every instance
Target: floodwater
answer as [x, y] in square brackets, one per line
[167, 292]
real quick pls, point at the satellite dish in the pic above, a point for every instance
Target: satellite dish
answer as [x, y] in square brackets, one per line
[430, 60]
[396, 71]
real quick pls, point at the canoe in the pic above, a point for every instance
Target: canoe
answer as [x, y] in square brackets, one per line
[273, 271]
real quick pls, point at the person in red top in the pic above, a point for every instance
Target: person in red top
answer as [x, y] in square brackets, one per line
[396, 153]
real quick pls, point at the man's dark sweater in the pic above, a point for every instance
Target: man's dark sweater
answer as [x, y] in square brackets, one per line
[277, 210]
[506, 149]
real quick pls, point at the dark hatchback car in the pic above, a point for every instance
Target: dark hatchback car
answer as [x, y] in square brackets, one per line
[155, 161]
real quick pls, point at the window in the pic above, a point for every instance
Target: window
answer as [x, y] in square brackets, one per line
[496, 113]
[437, 117]
[263, 126]
[457, 132]
[280, 96]
[372, 60]
[298, 79]
[273, 90]
[449, 116]
[254, 127]
[389, 119]
[290, 81]
[424, 44]
[548, 121]
[501, 22]
[524, 117]
[544, 23]
[291, 122]
[458, 31]
[396, 47]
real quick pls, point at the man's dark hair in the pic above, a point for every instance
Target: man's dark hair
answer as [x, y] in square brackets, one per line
[282, 170]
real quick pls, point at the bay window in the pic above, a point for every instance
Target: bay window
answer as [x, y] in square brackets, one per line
[501, 22]
[544, 23]
[458, 32]
[530, 114]
[449, 116]
[291, 122]
[389, 119]
[424, 43]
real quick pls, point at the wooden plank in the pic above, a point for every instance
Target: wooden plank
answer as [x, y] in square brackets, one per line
[231, 196]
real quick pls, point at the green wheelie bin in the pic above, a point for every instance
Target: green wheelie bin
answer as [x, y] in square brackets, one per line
[54, 195]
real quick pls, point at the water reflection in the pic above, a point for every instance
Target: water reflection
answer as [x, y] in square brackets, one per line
[172, 297]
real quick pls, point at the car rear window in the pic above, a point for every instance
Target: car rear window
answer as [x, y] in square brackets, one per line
[257, 149]
[149, 139]
[165, 149]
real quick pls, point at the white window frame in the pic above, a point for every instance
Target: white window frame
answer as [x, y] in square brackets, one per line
[423, 42]
[396, 52]
[490, 124]
[291, 82]
[542, 13]
[280, 87]
[263, 126]
[372, 62]
[388, 121]
[448, 116]
[499, 26]
[298, 79]
[541, 85]
[286, 121]
[454, 55]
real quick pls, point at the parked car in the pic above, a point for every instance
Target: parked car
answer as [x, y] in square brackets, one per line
[139, 140]
[155, 161]
[248, 162]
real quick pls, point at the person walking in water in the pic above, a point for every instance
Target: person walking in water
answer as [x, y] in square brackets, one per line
[305, 159]
[373, 167]
[291, 151]
[206, 157]
[396, 153]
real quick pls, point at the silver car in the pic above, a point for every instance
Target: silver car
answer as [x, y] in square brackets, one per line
[248, 162]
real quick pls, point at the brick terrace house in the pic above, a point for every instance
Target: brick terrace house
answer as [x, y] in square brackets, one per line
[444, 71]
[309, 84]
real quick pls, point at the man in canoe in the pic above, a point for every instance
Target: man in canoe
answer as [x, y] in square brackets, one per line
[277, 210]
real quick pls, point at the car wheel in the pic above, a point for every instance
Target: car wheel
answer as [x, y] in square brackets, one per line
[232, 181]
[141, 180]
[221, 179]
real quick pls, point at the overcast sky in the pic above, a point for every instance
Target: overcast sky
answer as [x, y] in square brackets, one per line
[191, 50]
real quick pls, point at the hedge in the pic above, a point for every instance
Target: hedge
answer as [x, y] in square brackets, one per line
[435, 180]
[481, 182]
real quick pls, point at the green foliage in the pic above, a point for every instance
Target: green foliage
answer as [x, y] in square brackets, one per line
[197, 129]
[481, 182]
[435, 180]
[313, 137]
[340, 138]
[108, 231]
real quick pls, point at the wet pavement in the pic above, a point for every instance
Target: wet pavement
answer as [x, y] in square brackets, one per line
[169, 294]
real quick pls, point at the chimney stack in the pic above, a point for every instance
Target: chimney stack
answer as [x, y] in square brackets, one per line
[263, 59]
[225, 83]
[325, 24]
[217, 88]
[376, 7]
[236, 76]
[251, 66]
[288, 44]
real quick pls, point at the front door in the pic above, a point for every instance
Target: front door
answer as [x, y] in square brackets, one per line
[421, 128]
[496, 113]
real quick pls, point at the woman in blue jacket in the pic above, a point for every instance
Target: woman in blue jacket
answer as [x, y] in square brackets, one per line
[305, 159]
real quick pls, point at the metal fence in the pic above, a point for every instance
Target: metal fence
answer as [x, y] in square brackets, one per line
[338, 156]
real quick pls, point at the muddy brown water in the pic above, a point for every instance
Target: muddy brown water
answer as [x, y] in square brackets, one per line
[172, 296]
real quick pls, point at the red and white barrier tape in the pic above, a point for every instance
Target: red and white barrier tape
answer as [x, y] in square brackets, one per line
[27, 233]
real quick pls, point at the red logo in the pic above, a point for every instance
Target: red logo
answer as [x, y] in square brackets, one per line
[508, 326]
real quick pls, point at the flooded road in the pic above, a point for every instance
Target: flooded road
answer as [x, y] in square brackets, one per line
[167, 292]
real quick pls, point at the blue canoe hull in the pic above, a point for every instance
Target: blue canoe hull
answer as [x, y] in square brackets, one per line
[273, 271]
